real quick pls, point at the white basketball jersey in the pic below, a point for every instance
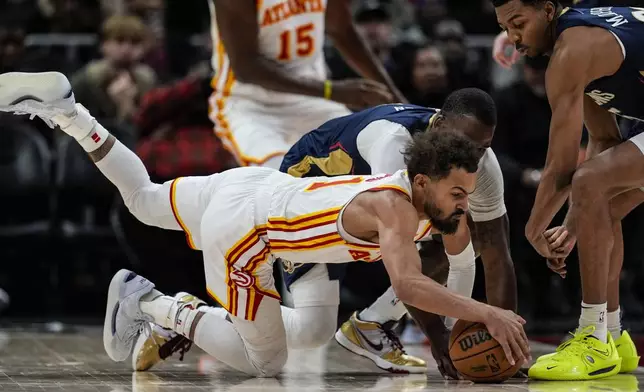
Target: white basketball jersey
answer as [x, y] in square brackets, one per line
[291, 33]
[304, 222]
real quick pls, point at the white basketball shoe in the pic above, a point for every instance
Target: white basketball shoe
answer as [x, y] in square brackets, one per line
[45, 94]
[124, 320]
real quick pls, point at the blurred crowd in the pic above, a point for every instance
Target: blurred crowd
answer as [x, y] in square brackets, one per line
[142, 68]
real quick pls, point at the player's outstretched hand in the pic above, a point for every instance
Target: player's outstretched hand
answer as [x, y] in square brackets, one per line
[360, 93]
[440, 352]
[501, 44]
[507, 328]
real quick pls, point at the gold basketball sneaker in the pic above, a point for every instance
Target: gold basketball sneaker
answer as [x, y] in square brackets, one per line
[626, 350]
[379, 343]
[162, 343]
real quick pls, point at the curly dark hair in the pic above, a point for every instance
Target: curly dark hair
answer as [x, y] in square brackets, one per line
[533, 3]
[436, 153]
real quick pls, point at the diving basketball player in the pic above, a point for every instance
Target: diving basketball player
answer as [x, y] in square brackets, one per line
[243, 218]
[270, 85]
[371, 142]
[595, 72]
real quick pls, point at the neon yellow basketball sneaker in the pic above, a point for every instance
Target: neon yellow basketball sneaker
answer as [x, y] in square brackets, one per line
[626, 350]
[584, 357]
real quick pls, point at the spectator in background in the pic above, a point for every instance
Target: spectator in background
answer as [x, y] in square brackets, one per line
[421, 74]
[14, 56]
[176, 137]
[151, 12]
[464, 68]
[69, 16]
[373, 20]
[521, 143]
[112, 86]
[429, 13]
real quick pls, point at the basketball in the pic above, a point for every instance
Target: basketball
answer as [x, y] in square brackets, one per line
[477, 355]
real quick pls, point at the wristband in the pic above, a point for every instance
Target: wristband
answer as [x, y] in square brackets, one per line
[327, 89]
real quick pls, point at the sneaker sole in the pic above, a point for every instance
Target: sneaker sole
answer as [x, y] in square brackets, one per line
[381, 363]
[136, 352]
[51, 106]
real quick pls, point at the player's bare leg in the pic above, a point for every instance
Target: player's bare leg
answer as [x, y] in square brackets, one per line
[621, 205]
[595, 183]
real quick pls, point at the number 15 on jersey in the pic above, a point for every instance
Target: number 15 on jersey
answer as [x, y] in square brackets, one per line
[298, 42]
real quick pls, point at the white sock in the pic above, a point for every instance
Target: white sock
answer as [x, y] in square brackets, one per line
[462, 272]
[209, 329]
[615, 324]
[386, 308]
[594, 315]
[84, 128]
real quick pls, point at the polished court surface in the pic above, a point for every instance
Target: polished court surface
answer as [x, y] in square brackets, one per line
[75, 361]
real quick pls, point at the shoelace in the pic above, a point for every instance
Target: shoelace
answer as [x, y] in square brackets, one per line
[393, 339]
[134, 330]
[22, 109]
[178, 343]
[578, 343]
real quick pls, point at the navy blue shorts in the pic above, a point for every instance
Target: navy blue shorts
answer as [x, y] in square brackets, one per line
[336, 272]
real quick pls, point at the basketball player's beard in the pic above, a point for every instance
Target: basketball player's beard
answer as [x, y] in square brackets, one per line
[447, 225]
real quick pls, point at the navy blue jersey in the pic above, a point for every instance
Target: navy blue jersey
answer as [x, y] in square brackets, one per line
[623, 92]
[331, 149]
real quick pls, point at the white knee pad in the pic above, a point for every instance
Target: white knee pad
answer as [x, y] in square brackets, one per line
[310, 327]
[314, 319]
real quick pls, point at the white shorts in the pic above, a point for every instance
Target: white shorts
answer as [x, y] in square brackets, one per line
[255, 132]
[224, 220]
[638, 140]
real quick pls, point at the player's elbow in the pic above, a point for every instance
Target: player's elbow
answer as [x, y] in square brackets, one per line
[532, 232]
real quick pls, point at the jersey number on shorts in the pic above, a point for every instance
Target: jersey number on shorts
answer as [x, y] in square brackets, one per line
[304, 42]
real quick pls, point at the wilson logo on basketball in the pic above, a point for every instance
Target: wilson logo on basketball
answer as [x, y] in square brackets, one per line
[242, 279]
[474, 339]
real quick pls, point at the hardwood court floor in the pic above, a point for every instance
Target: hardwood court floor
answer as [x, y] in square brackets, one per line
[39, 361]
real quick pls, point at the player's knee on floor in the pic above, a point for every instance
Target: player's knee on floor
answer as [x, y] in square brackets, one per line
[268, 364]
[311, 327]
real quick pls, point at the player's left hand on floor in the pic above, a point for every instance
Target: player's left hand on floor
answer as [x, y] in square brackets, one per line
[440, 352]
[521, 374]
